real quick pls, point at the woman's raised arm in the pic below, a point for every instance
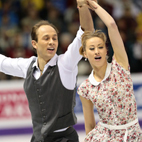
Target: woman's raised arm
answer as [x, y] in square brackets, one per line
[114, 35]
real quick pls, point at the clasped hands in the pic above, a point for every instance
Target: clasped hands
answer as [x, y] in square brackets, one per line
[89, 3]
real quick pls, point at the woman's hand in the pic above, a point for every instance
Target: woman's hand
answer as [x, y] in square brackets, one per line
[92, 4]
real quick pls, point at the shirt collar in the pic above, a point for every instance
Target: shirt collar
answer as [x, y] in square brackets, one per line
[92, 79]
[52, 62]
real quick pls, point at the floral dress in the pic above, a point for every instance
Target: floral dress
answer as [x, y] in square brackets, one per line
[116, 105]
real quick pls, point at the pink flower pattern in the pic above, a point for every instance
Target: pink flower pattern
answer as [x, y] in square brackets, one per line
[116, 105]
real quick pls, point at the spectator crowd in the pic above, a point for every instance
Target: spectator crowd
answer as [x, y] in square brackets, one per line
[18, 16]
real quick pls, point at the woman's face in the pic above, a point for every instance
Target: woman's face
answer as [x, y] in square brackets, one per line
[96, 52]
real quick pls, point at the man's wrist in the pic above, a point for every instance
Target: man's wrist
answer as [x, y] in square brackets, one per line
[81, 6]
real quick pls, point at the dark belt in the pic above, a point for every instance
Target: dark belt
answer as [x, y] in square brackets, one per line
[61, 136]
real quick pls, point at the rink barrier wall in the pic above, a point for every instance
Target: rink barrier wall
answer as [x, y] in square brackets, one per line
[15, 117]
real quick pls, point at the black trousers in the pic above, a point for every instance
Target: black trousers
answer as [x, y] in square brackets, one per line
[70, 135]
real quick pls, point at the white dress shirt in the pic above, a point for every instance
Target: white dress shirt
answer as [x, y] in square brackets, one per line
[67, 64]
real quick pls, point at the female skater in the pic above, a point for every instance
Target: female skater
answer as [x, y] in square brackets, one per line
[109, 87]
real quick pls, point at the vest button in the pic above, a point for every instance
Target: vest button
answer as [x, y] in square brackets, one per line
[41, 103]
[43, 110]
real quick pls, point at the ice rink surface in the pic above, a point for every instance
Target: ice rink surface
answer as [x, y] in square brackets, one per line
[26, 138]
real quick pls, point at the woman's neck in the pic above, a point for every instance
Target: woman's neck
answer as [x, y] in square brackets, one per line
[99, 72]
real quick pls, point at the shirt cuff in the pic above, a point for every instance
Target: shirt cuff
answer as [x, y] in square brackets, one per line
[2, 57]
[79, 33]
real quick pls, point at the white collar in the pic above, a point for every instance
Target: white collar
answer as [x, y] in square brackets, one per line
[92, 79]
[52, 62]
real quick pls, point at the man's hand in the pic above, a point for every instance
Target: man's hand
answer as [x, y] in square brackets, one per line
[81, 3]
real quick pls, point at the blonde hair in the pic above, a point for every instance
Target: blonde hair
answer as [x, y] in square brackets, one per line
[87, 35]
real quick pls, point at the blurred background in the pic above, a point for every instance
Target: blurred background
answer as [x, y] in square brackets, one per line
[16, 20]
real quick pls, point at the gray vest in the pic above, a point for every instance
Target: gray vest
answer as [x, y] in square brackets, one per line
[50, 103]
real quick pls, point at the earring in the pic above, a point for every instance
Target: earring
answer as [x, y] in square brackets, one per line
[85, 59]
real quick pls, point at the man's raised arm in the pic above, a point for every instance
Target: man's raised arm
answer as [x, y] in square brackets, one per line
[85, 16]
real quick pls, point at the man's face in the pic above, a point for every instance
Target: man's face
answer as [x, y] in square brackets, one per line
[47, 43]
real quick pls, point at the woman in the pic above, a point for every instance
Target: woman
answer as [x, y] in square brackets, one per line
[109, 87]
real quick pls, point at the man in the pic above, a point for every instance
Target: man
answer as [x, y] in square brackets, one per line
[50, 80]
